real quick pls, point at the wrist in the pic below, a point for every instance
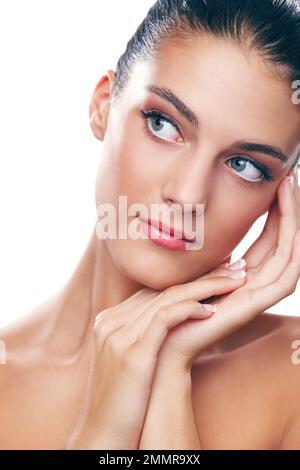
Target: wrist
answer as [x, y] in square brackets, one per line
[171, 379]
[172, 372]
[170, 412]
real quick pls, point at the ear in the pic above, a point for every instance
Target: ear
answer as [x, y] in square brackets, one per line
[100, 104]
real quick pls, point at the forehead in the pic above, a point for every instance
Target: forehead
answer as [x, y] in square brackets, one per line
[233, 92]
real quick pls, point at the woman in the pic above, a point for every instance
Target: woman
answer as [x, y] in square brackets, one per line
[201, 110]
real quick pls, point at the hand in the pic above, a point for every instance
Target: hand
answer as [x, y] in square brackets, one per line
[133, 337]
[273, 270]
[126, 343]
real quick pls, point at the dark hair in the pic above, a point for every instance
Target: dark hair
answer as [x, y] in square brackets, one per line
[271, 28]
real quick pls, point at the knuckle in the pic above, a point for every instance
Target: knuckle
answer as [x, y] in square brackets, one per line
[116, 344]
[292, 288]
[289, 291]
[280, 284]
[102, 328]
[101, 315]
[160, 315]
[169, 292]
[285, 289]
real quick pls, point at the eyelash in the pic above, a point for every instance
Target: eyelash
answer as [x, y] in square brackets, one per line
[153, 113]
[267, 176]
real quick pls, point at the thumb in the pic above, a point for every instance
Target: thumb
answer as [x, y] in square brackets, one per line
[218, 270]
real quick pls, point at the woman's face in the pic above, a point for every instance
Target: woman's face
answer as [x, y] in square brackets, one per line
[234, 98]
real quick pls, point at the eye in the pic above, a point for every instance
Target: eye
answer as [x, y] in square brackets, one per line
[161, 126]
[253, 173]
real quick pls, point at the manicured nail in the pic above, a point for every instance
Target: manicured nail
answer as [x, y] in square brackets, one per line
[238, 274]
[210, 307]
[237, 265]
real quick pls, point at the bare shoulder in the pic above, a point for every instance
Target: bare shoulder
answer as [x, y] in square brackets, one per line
[281, 348]
[20, 343]
[285, 372]
[28, 329]
[247, 397]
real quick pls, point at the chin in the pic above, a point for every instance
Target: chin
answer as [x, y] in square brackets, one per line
[150, 266]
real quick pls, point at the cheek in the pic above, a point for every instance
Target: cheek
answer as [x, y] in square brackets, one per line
[127, 167]
[139, 171]
[240, 205]
[229, 219]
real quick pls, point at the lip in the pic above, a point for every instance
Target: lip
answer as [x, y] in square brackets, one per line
[170, 231]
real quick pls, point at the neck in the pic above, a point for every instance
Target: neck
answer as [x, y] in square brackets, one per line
[97, 283]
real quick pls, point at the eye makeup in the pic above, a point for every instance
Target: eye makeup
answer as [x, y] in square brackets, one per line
[155, 113]
[266, 174]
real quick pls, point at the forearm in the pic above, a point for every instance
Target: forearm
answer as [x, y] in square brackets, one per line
[170, 422]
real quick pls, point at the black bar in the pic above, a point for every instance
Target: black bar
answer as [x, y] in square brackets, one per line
[137, 458]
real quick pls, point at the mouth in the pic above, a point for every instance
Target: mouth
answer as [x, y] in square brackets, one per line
[172, 232]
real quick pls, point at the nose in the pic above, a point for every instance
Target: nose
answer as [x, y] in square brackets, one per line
[188, 184]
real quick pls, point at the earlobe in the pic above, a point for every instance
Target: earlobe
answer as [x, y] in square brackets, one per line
[96, 123]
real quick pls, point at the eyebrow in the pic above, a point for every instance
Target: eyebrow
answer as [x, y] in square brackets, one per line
[270, 150]
[167, 95]
[182, 108]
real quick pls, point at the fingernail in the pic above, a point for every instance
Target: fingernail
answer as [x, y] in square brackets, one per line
[210, 307]
[292, 182]
[238, 264]
[238, 274]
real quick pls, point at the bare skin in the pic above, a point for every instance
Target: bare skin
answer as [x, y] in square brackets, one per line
[48, 354]
[46, 395]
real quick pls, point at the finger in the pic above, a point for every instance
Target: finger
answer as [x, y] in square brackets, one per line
[288, 226]
[138, 298]
[137, 313]
[259, 299]
[225, 261]
[192, 291]
[111, 319]
[231, 315]
[267, 240]
[264, 246]
[297, 193]
[151, 338]
[296, 190]
[273, 240]
[221, 270]
[202, 288]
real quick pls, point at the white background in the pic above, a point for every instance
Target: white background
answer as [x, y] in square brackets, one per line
[52, 55]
